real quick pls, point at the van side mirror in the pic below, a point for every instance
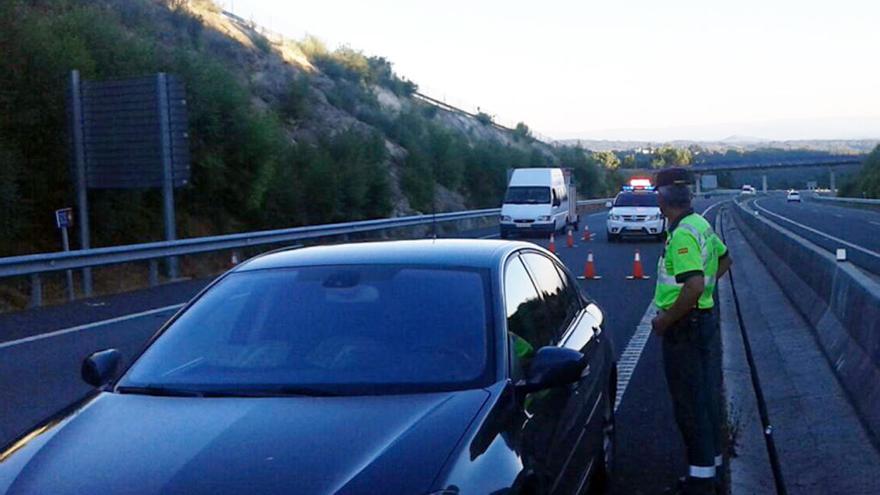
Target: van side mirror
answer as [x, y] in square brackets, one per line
[608, 204]
[552, 367]
[100, 367]
[557, 201]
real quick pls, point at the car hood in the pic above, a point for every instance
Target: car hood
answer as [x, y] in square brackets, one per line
[635, 210]
[525, 211]
[180, 445]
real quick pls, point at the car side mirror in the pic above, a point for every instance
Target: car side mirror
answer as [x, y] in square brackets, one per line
[552, 367]
[608, 204]
[100, 367]
[596, 312]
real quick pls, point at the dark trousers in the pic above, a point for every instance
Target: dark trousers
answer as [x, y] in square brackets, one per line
[692, 362]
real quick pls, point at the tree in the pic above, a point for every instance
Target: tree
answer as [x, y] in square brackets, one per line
[867, 182]
[670, 156]
[522, 132]
[607, 159]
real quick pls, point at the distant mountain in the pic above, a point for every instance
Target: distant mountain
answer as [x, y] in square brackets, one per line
[743, 139]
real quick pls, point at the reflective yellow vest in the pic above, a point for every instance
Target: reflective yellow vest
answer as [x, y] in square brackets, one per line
[691, 246]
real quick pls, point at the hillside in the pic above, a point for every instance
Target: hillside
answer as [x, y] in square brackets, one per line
[282, 132]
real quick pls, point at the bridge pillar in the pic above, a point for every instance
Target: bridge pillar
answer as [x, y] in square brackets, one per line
[764, 183]
[831, 180]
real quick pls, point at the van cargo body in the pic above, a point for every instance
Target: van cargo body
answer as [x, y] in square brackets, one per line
[538, 201]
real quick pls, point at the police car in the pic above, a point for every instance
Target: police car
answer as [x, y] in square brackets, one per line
[635, 212]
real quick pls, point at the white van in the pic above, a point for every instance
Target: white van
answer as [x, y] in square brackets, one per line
[539, 201]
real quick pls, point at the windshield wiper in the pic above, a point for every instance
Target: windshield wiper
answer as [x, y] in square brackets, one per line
[159, 391]
[304, 391]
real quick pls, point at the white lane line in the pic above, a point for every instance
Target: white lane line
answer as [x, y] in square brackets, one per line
[819, 232]
[490, 236]
[628, 361]
[713, 205]
[875, 223]
[91, 325]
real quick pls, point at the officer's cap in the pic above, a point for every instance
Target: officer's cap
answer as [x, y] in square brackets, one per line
[673, 176]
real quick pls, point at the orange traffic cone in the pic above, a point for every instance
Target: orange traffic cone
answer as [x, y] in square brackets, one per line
[589, 269]
[587, 235]
[638, 272]
[552, 246]
[569, 240]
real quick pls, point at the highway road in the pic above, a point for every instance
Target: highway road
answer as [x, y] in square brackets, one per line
[41, 351]
[829, 226]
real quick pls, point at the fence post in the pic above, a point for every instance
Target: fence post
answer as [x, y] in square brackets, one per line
[154, 273]
[36, 291]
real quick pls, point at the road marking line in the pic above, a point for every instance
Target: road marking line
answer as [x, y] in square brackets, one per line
[819, 232]
[490, 236]
[628, 361]
[875, 223]
[90, 325]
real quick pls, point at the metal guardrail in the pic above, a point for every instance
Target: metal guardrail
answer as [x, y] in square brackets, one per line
[34, 265]
[855, 201]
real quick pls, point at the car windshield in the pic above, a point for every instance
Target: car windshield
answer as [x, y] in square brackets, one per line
[328, 330]
[527, 195]
[636, 199]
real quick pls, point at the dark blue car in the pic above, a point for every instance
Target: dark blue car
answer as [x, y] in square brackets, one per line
[415, 367]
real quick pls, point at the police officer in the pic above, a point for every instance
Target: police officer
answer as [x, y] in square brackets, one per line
[693, 260]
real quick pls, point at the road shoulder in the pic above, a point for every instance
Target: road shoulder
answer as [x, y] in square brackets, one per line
[822, 445]
[749, 463]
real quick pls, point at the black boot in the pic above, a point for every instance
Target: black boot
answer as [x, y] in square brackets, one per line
[692, 486]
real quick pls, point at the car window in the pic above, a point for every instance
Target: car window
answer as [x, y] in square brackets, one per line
[525, 312]
[345, 329]
[636, 199]
[560, 302]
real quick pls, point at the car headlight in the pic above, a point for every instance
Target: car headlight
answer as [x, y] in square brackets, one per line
[505, 218]
[653, 217]
[614, 218]
[544, 218]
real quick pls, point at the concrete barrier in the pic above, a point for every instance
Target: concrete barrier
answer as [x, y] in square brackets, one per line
[840, 301]
[868, 204]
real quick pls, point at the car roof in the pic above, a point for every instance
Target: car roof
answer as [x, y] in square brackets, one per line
[476, 253]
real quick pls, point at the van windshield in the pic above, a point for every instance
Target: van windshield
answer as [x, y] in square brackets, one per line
[527, 195]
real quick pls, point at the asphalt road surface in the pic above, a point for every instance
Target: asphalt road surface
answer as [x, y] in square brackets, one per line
[829, 226]
[41, 350]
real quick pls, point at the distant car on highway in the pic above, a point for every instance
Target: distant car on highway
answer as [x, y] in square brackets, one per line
[747, 190]
[414, 367]
[635, 212]
[793, 196]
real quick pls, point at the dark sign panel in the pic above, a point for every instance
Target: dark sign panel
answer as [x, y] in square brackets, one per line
[127, 134]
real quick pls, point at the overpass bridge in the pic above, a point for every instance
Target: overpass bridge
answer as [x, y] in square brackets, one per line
[831, 163]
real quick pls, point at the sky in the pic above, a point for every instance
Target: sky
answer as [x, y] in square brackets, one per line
[622, 69]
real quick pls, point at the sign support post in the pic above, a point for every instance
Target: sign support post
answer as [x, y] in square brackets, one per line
[167, 168]
[79, 160]
[64, 220]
